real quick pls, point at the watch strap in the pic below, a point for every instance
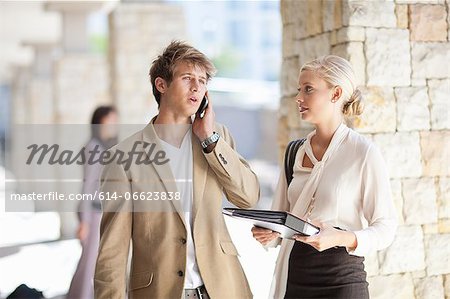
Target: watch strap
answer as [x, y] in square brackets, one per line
[210, 140]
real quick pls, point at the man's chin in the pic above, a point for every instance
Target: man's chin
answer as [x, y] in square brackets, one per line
[193, 112]
[188, 113]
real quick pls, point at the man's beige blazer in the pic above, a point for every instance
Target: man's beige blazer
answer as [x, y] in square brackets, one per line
[158, 235]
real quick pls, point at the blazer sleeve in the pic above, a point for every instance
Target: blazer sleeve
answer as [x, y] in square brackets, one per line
[377, 205]
[115, 234]
[239, 182]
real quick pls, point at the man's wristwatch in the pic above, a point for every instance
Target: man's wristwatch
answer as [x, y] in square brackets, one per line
[210, 140]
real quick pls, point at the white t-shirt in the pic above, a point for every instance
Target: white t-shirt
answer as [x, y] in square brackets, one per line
[181, 164]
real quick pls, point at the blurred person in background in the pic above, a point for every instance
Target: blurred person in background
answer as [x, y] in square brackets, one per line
[339, 180]
[103, 136]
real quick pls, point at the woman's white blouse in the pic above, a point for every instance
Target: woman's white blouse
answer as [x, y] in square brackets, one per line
[353, 192]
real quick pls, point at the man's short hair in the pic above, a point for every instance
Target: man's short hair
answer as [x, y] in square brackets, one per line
[164, 65]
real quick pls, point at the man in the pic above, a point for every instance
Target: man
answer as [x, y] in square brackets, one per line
[181, 247]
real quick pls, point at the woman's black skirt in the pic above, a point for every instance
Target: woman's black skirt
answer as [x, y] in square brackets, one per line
[332, 273]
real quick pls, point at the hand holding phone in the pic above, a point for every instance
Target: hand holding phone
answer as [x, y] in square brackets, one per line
[203, 124]
[203, 105]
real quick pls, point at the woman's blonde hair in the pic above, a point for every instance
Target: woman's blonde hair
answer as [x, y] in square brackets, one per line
[336, 70]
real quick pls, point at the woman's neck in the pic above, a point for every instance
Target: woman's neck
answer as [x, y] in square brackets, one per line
[325, 132]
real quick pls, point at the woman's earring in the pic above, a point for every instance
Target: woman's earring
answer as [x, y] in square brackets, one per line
[333, 100]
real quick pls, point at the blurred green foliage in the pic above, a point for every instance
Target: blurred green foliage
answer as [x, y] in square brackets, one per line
[98, 43]
[228, 63]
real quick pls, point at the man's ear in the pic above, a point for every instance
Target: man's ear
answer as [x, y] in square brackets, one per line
[161, 85]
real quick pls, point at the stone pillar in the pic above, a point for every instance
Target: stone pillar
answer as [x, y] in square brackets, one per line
[74, 22]
[19, 94]
[33, 100]
[41, 106]
[23, 20]
[138, 33]
[80, 84]
[80, 78]
[400, 51]
[39, 26]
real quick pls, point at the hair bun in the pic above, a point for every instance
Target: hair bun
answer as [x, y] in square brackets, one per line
[354, 105]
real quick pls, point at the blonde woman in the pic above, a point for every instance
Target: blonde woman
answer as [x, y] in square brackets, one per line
[340, 182]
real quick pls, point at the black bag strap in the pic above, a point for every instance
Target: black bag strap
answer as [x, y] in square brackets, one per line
[289, 158]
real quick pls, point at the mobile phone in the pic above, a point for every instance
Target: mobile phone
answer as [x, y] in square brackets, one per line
[203, 105]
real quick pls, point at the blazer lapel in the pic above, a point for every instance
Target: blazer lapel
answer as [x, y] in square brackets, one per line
[164, 172]
[200, 169]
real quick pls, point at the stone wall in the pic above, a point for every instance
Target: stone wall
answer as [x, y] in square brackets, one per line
[80, 84]
[400, 51]
[138, 33]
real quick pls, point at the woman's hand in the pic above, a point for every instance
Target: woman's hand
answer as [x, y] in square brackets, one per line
[263, 235]
[329, 237]
[82, 231]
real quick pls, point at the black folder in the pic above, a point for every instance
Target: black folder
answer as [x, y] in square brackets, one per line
[285, 223]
